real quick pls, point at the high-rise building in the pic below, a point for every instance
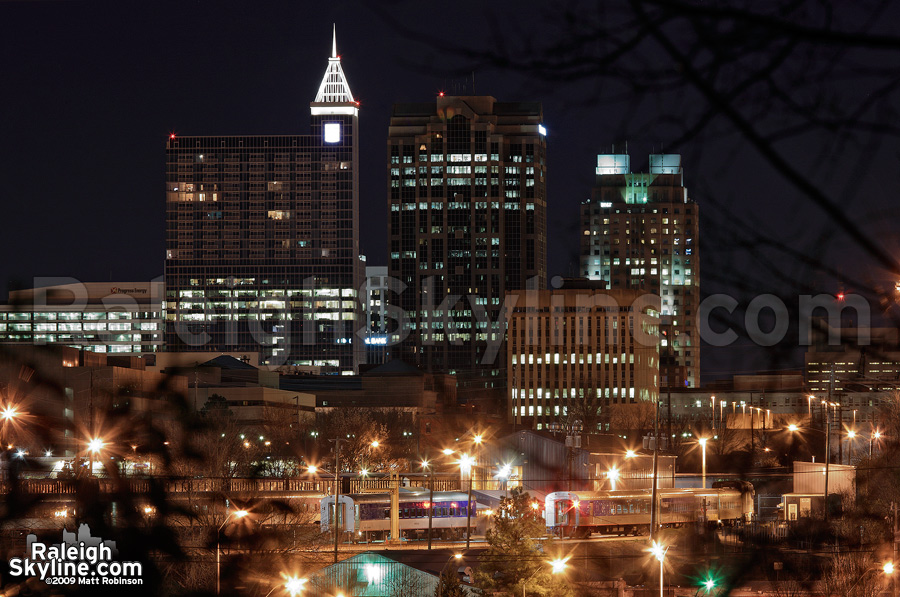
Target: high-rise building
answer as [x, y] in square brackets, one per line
[640, 231]
[376, 336]
[467, 200]
[576, 351]
[262, 239]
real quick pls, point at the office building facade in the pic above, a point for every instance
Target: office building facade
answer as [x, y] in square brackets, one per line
[640, 231]
[262, 239]
[580, 350]
[123, 318]
[467, 201]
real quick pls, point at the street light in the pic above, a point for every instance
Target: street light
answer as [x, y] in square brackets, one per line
[872, 437]
[613, 476]
[237, 514]
[557, 566]
[887, 568]
[294, 585]
[851, 434]
[660, 554]
[703, 441]
[457, 557]
[94, 446]
[465, 467]
[9, 413]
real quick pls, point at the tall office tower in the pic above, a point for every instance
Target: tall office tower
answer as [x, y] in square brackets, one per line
[467, 223]
[640, 232]
[262, 239]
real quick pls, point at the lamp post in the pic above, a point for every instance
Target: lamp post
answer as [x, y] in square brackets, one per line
[660, 554]
[465, 468]
[236, 514]
[887, 568]
[613, 476]
[425, 466]
[457, 557]
[872, 437]
[851, 434]
[703, 441]
[557, 566]
[337, 494]
[94, 446]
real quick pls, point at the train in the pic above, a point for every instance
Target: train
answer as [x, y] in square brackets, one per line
[367, 516]
[581, 513]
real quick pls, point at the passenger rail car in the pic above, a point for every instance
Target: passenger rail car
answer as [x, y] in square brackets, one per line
[368, 516]
[580, 513]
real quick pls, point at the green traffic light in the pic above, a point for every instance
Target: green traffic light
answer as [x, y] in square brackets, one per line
[710, 585]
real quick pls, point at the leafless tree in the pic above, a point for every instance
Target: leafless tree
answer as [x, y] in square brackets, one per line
[634, 417]
[851, 575]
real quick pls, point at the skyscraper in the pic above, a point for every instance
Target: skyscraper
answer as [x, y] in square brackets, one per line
[467, 207]
[262, 239]
[640, 231]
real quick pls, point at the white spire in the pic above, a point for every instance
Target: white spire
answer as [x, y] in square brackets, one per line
[334, 41]
[334, 88]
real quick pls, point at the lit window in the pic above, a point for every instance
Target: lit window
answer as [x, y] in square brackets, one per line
[332, 132]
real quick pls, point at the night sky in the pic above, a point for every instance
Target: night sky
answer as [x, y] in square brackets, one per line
[91, 90]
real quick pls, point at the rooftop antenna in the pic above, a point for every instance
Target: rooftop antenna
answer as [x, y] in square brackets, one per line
[334, 40]
[473, 83]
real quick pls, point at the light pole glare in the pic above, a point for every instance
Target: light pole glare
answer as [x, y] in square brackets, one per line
[294, 585]
[478, 439]
[312, 469]
[888, 568]
[447, 451]
[558, 565]
[9, 413]
[95, 445]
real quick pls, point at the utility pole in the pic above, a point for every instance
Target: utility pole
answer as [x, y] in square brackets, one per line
[895, 584]
[337, 495]
[828, 440]
[655, 471]
[430, 503]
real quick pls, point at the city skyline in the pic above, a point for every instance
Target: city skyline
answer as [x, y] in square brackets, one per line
[97, 88]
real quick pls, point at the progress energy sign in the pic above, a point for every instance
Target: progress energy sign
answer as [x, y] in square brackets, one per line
[77, 560]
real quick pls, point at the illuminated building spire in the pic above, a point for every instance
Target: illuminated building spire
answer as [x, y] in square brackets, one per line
[334, 88]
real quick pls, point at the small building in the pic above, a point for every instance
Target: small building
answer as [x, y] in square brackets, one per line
[808, 496]
[386, 574]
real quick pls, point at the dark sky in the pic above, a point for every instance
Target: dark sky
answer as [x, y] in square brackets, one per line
[91, 90]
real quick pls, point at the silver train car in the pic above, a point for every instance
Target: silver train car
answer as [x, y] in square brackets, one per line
[581, 513]
[367, 516]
